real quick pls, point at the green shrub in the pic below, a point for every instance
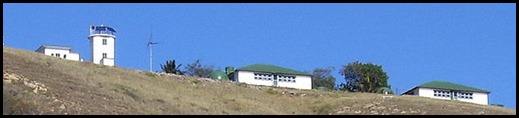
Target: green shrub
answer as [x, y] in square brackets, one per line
[196, 81]
[149, 74]
[323, 109]
[272, 91]
[242, 84]
[13, 105]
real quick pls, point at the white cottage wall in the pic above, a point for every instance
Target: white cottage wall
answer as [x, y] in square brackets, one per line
[477, 97]
[248, 78]
[427, 92]
[62, 53]
[302, 82]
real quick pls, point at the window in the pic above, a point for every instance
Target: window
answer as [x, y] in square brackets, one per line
[270, 77]
[442, 93]
[464, 95]
[286, 78]
[64, 56]
[104, 41]
[57, 55]
[104, 55]
[259, 76]
[51, 54]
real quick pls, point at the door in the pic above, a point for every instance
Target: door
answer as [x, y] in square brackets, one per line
[275, 80]
[454, 95]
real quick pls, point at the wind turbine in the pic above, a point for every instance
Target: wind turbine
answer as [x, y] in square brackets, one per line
[150, 45]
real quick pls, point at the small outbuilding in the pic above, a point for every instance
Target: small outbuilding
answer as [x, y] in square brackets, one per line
[271, 75]
[218, 74]
[450, 91]
[384, 90]
[64, 52]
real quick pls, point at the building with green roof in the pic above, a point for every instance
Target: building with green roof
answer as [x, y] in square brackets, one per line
[271, 75]
[450, 91]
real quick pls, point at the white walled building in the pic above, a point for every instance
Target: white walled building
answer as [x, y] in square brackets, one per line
[450, 91]
[270, 75]
[63, 52]
[102, 41]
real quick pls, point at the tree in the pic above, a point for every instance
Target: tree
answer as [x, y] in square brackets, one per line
[362, 77]
[340, 87]
[322, 77]
[170, 67]
[196, 69]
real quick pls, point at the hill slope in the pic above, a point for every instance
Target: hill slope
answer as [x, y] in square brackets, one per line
[38, 84]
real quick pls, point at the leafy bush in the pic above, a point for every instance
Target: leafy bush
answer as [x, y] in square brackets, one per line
[323, 109]
[273, 91]
[149, 74]
[170, 67]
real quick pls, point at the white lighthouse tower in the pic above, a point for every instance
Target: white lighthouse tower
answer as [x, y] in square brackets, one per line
[102, 41]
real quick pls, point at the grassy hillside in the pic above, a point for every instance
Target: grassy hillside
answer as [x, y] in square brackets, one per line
[38, 84]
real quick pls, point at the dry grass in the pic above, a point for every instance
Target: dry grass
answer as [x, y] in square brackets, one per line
[84, 88]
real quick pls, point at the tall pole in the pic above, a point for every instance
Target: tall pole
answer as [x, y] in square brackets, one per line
[150, 44]
[151, 58]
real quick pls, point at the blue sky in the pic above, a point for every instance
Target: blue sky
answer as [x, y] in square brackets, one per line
[470, 44]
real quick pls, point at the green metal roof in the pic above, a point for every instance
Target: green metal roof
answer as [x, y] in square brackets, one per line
[218, 74]
[451, 86]
[271, 69]
[384, 89]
